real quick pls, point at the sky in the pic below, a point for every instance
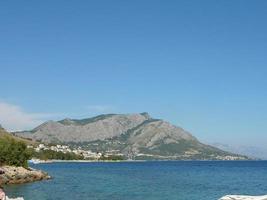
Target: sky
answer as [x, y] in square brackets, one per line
[201, 65]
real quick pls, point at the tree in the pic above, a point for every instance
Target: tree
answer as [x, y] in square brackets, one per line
[13, 152]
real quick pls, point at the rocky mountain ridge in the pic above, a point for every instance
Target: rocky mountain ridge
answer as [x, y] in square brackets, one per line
[136, 136]
[85, 130]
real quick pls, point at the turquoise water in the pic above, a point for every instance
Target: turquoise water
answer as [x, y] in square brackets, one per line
[146, 181]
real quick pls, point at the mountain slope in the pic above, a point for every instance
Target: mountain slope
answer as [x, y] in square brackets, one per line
[255, 152]
[157, 139]
[136, 136]
[96, 128]
[5, 134]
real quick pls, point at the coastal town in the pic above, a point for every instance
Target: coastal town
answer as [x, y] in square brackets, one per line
[67, 149]
[107, 155]
[84, 154]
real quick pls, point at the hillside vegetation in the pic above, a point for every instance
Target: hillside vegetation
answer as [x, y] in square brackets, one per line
[54, 155]
[13, 151]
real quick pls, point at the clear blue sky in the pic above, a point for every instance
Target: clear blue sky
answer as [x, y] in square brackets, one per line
[201, 65]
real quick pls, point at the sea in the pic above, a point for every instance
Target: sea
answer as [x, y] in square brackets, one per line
[158, 180]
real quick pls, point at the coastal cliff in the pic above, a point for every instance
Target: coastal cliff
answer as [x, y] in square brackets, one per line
[19, 175]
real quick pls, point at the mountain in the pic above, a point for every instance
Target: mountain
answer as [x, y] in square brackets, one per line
[250, 151]
[85, 130]
[5, 134]
[136, 136]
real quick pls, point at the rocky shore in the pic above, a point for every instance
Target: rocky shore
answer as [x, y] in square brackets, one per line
[19, 175]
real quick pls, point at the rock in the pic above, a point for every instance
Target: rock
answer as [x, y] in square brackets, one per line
[1, 171]
[240, 197]
[18, 175]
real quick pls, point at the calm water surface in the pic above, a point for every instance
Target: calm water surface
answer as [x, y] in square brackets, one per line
[146, 181]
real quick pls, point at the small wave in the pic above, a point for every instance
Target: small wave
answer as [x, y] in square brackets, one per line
[239, 197]
[18, 198]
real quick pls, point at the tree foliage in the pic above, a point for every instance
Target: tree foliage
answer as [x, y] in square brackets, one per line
[54, 155]
[13, 152]
[112, 157]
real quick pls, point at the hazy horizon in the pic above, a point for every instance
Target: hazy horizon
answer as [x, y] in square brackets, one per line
[199, 65]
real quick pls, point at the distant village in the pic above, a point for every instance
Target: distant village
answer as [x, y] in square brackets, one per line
[228, 157]
[90, 155]
[86, 154]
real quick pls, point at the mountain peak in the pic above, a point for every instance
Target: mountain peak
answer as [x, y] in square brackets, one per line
[146, 115]
[66, 121]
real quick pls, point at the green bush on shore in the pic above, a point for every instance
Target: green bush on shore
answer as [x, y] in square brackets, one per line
[13, 152]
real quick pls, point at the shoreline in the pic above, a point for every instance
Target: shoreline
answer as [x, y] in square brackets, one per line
[132, 161]
[86, 161]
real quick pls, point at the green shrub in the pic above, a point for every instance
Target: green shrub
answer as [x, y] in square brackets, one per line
[53, 155]
[13, 152]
